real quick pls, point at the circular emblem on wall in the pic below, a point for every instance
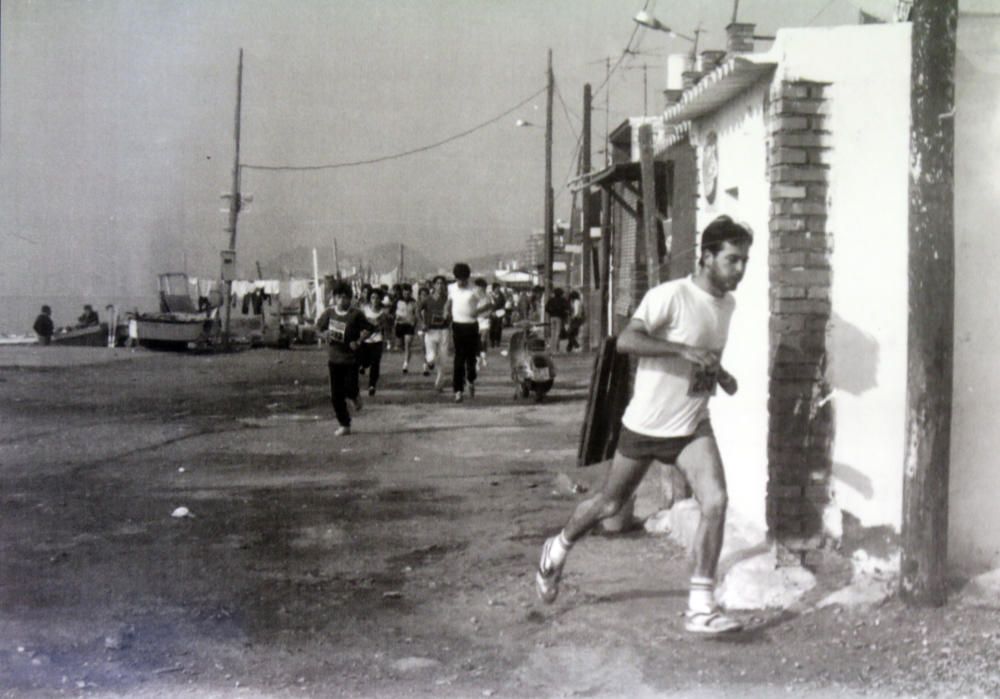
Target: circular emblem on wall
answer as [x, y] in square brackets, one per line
[710, 166]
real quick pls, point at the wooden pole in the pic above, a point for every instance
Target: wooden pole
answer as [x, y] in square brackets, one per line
[399, 275]
[605, 261]
[234, 199]
[930, 339]
[648, 206]
[336, 260]
[587, 223]
[549, 231]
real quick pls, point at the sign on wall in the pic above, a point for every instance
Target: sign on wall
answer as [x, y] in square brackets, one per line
[710, 166]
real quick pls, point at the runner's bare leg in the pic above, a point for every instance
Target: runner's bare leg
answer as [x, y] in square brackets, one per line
[621, 480]
[701, 464]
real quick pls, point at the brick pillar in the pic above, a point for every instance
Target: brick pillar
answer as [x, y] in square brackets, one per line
[800, 419]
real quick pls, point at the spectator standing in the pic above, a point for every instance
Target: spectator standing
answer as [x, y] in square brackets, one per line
[44, 327]
[557, 310]
[577, 317]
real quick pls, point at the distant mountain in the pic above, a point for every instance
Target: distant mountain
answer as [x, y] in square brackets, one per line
[297, 262]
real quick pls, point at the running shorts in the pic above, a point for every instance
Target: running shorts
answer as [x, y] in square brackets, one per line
[403, 329]
[642, 447]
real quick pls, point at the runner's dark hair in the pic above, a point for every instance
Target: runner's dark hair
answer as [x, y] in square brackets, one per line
[724, 230]
[461, 271]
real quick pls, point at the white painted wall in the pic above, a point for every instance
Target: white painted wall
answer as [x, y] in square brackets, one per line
[868, 117]
[974, 517]
[740, 421]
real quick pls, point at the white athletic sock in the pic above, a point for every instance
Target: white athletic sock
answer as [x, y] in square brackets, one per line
[701, 597]
[558, 551]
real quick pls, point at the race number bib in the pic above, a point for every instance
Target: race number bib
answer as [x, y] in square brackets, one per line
[702, 381]
[337, 330]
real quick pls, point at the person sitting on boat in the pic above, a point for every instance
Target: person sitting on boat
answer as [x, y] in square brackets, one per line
[44, 327]
[89, 317]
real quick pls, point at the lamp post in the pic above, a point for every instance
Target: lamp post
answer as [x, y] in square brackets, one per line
[647, 20]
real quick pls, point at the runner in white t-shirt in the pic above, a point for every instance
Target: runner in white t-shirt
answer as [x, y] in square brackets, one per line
[465, 303]
[678, 332]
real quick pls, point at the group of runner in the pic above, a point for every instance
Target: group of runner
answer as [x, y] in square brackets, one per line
[462, 319]
[678, 333]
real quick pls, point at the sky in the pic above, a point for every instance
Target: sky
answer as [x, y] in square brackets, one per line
[117, 124]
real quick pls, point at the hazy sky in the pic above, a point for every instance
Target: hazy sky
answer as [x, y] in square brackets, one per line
[116, 123]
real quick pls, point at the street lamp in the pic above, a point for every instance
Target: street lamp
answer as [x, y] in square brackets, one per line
[649, 21]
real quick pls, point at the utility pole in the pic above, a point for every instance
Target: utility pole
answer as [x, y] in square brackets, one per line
[234, 202]
[549, 203]
[645, 92]
[930, 338]
[336, 260]
[585, 204]
[399, 277]
[607, 111]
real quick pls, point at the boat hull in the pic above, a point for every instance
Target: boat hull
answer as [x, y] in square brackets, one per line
[90, 336]
[168, 332]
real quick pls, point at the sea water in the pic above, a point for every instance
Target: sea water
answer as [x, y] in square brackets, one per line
[18, 313]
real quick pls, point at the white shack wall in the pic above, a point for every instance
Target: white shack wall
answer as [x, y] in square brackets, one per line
[868, 68]
[974, 518]
[740, 421]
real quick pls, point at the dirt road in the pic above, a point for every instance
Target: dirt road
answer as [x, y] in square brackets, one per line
[394, 562]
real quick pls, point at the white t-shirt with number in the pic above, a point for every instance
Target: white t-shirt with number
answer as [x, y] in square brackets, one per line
[671, 394]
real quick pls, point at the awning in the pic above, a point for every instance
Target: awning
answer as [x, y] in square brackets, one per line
[618, 172]
[718, 87]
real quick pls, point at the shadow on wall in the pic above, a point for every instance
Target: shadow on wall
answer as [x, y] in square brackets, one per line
[853, 368]
[853, 357]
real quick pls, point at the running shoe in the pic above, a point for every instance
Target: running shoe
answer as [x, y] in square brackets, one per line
[547, 576]
[458, 396]
[371, 390]
[342, 430]
[711, 623]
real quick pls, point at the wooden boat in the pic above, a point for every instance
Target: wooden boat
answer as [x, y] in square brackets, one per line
[87, 336]
[169, 330]
[178, 325]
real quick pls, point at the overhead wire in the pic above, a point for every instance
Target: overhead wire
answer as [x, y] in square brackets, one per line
[394, 156]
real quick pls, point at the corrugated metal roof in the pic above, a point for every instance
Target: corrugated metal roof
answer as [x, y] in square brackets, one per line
[718, 87]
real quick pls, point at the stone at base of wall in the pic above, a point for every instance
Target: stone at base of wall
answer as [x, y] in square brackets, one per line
[982, 591]
[759, 583]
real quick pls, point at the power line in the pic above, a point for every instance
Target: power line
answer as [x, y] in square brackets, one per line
[816, 16]
[395, 156]
[566, 109]
[21, 237]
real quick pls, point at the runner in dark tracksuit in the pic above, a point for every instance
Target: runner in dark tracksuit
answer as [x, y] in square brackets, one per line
[346, 329]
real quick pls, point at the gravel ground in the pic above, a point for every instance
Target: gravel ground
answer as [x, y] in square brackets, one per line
[395, 562]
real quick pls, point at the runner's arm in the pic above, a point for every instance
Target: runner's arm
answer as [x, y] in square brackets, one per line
[635, 339]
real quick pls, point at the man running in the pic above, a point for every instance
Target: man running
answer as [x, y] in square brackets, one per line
[465, 303]
[678, 332]
[433, 313]
[406, 322]
[346, 328]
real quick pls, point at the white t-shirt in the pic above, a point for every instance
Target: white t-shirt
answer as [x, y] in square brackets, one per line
[671, 394]
[464, 303]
